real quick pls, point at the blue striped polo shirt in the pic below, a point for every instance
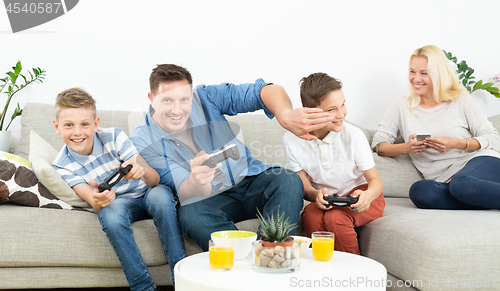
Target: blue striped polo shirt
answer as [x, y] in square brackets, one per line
[110, 146]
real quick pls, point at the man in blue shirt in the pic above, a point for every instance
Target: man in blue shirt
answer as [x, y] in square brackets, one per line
[182, 125]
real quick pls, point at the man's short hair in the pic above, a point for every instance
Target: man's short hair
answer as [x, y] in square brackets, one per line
[315, 87]
[168, 73]
[74, 98]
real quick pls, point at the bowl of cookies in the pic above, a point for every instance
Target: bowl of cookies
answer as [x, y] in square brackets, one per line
[305, 242]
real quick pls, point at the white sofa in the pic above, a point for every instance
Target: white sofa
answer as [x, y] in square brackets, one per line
[50, 248]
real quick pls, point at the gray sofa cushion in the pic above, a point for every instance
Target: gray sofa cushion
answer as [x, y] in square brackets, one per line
[397, 173]
[426, 245]
[495, 120]
[263, 137]
[67, 238]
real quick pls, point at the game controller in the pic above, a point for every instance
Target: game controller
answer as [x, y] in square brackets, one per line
[230, 151]
[114, 178]
[340, 201]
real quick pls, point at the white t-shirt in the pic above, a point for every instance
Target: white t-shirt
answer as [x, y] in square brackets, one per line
[337, 162]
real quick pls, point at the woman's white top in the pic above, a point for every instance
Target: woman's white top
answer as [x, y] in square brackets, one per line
[461, 118]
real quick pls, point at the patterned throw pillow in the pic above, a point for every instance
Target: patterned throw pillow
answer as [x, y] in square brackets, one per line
[41, 156]
[19, 184]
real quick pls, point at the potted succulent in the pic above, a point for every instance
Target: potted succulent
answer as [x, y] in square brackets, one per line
[276, 251]
[274, 231]
[13, 84]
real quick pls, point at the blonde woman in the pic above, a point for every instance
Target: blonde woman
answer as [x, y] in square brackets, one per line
[460, 161]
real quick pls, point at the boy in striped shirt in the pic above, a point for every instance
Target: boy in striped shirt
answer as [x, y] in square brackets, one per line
[90, 155]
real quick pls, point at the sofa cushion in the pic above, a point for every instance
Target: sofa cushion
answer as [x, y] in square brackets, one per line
[67, 238]
[262, 136]
[429, 245]
[41, 156]
[19, 184]
[495, 120]
[397, 173]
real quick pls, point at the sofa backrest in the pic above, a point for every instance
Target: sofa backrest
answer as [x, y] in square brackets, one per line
[262, 136]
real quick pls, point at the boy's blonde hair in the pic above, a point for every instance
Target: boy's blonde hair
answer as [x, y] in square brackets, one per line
[446, 86]
[74, 98]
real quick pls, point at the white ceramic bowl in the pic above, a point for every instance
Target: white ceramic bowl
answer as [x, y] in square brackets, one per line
[240, 240]
[305, 242]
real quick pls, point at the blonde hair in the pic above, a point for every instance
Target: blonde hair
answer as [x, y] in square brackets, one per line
[74, 98]
[446, 86]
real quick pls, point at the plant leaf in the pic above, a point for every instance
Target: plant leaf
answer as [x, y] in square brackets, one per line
[493, 90]
[18, 68]
[25, 81]
[478, 85]
[487, 85]
[13, 76]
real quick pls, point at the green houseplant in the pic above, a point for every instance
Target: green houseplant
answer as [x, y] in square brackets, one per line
[275, 230]
[465, 76]
[13, 86]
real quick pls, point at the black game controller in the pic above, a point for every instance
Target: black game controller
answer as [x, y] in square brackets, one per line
[114, 178]
[230, 151]
[340, 201]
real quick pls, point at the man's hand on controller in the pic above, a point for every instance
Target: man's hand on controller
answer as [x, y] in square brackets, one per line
[104, 198]
[320, 201]
[363, 204]
[302, 121]
[201, 174]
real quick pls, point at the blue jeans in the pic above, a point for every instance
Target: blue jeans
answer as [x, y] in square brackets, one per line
[157, 203]
[265, 191]
[475, 186]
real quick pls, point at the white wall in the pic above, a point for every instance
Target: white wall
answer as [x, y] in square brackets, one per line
[109, 47]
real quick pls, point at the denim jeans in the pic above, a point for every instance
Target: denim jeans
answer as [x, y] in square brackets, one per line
[265, 191]
[157, 203]
[475, 186]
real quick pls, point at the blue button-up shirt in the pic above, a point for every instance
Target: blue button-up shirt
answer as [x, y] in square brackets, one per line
[211, 131]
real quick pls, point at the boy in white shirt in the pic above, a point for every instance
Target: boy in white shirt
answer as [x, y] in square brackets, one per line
[339, 161]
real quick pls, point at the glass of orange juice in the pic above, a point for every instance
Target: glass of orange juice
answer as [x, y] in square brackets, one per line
[322, 245]
[221, 257]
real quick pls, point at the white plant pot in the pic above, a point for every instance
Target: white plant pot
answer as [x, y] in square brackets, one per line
[5, 141]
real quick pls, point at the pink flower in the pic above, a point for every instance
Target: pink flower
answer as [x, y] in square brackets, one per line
[497, 78]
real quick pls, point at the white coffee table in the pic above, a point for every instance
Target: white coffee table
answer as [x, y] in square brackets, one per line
[343, 272]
